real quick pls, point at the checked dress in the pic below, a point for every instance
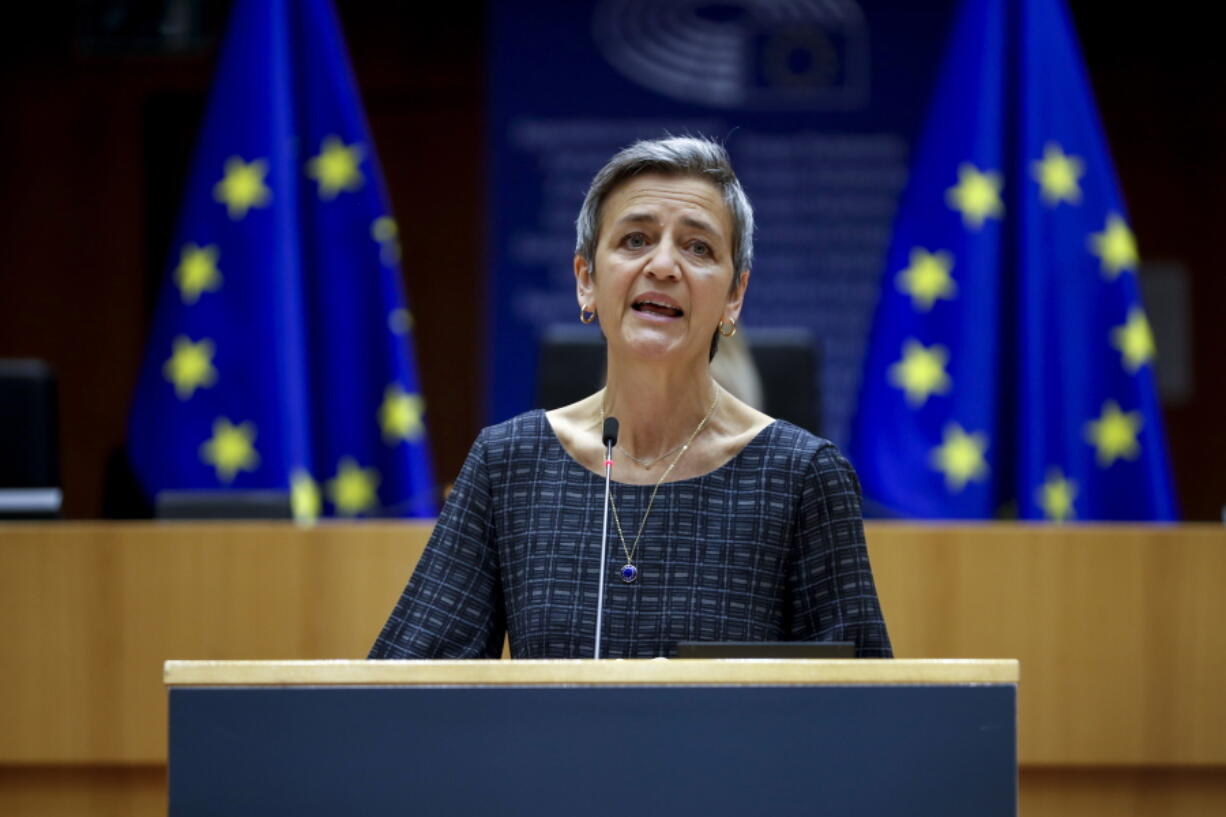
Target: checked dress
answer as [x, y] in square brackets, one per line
[768, 547]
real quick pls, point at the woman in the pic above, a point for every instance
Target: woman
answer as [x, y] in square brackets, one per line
[727, 525]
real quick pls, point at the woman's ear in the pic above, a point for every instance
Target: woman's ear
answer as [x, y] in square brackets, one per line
[736, 295]
[585, 285]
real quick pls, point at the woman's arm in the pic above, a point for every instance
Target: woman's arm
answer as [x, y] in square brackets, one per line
[452, 606]
[832, 594]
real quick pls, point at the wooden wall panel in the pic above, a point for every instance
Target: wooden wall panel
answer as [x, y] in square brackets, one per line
[99, 607]
[89, 791]
[140, 791]
[1123, 792]
[1118, 629]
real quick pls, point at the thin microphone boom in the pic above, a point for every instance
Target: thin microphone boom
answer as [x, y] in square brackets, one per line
[609, 438]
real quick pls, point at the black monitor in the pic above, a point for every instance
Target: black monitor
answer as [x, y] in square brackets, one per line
[220, 505]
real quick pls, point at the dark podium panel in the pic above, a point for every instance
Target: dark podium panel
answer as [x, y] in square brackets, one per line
[664, 741]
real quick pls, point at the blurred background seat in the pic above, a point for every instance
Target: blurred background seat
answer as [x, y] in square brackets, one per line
[29, 441]
[782, 380]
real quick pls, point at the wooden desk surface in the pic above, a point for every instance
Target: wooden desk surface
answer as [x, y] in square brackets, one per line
[1119, 629]
[588, 672]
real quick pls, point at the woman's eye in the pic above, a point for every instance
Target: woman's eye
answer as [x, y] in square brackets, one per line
[635, 241]
[700, 248]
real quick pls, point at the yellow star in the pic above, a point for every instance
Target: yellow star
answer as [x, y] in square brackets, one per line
[197, 272]
[336, 168]
[921, 372]
[190, 366]
[928, 278]
[230, 449]
[1134, 340]
[304, 497]
[1114, 434]
[1056, 496]
[976, 195]
[352, 491]
[400, 415]
[1116, 246]
[400, 321]
[385, 232]
[1058, 175]
[960, 457]
[242, 187]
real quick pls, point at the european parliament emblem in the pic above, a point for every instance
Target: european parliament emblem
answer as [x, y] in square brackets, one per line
[775, 55]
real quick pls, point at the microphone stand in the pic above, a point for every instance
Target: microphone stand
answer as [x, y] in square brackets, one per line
[609, 437]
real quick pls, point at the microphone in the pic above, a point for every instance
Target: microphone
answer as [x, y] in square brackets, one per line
[609, 438]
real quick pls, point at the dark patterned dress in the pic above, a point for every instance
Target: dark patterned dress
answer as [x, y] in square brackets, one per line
[768, 547]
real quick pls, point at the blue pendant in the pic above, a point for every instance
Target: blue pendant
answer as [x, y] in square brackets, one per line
[629, 573]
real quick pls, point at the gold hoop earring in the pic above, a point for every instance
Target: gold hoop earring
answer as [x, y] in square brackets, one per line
[586, 315]
[724, 329]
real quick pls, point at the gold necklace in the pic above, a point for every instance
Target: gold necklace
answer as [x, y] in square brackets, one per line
[647, 462]
[628, 571]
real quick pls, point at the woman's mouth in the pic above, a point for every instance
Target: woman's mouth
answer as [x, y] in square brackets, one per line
[651, 306]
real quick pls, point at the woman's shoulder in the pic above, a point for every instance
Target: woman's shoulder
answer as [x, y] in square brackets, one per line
[782, 436]
[795, 448]
[521, 434]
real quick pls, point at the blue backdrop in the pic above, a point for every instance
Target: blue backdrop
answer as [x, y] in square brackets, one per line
[818, 102]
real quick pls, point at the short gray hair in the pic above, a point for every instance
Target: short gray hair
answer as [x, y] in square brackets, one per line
[674, 156]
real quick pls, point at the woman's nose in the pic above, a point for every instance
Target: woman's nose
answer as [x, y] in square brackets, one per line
[663, 262]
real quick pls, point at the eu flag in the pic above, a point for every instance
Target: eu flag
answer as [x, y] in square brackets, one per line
[1009, 369]
[281, 352]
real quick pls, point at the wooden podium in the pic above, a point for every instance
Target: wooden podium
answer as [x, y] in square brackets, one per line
[618, 738]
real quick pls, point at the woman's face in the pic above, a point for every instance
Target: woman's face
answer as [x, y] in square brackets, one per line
[664, 267]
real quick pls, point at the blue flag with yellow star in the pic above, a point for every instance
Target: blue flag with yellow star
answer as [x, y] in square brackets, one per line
[1009, 369]
[281, 352]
